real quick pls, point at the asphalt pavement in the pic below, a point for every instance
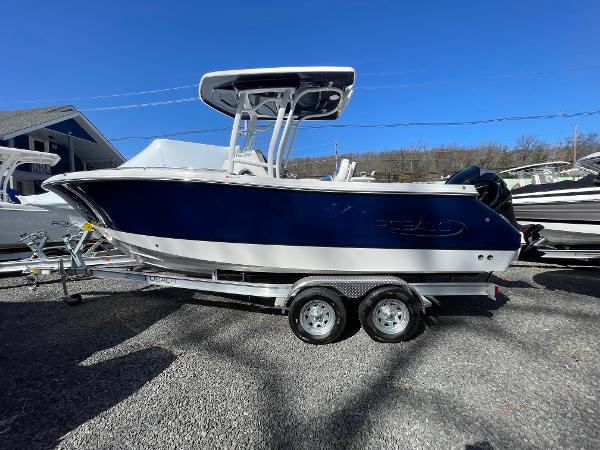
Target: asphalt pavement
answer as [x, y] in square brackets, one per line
[148, 367]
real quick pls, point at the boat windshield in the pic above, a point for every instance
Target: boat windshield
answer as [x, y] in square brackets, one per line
[541, 175]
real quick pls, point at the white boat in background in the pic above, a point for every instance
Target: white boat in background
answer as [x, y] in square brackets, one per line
[540, 173]
[565, 202]
[27, 214]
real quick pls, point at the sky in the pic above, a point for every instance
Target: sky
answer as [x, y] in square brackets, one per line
[425, 61]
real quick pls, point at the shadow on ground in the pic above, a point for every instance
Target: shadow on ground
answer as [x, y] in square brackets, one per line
[349, 424]
[45, 393]
[583, 280]
[467, 306]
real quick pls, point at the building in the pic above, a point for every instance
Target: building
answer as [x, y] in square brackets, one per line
[57, 129]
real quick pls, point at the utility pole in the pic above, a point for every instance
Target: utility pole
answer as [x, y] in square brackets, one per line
[574, 145]
[336, 155]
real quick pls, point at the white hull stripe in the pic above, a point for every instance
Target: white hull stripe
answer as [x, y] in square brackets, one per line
[570, 227]
[557, 199]
[206, 176]
[588, 190]
[281, 258]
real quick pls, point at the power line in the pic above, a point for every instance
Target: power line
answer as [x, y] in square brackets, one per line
[121, 94]
[503, 61]
[404, 72]
[390, 125]
[177, 133]
[486, 78]
[377, 87]
[141, 105]
[466, 122]
[385, 86]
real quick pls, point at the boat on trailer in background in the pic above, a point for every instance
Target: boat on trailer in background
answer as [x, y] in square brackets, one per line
[565, 202]
[213, 221]
[44, 218]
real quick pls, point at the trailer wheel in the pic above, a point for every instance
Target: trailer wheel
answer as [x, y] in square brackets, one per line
[318, 316]
[389, 314]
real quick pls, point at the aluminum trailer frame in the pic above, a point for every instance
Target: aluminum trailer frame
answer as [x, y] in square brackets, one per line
[77, 255]
[350, 286]
[52, 264]
[582, 255]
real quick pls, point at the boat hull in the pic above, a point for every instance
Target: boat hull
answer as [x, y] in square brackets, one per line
[204, 256]
[16, 220]
[196, 226]
[571, 218]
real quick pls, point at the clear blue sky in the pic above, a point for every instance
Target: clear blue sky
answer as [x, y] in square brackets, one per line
[56, 50]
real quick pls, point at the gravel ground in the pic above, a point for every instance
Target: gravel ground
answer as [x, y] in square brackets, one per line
[166, 368]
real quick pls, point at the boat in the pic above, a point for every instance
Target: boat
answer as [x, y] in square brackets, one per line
[538, 173]
[22, 215]
[198, 219]
[566, 203]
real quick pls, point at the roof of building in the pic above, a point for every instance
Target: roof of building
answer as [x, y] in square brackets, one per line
[22, 119]
[17, 122]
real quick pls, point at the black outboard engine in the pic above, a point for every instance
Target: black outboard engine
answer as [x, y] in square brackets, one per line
[494, 193]
[491, 188]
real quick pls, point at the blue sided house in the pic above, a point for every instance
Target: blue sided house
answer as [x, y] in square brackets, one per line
[57, 129]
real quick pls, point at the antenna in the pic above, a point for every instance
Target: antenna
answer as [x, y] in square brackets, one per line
[336, 155]
[574, 145]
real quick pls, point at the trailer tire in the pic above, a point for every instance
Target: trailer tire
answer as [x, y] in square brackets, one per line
[390, 314]
[318, 315]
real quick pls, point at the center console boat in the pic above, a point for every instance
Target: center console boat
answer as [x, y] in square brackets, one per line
[275, 223]
[333, 240]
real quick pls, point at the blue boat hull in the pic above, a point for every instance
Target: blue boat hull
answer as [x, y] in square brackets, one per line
[231, 213]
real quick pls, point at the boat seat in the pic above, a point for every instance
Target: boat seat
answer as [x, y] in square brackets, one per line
[345, 170]
[12, 195]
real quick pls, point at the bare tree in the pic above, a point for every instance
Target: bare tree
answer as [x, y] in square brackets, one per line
[419, 162]
[528, 142]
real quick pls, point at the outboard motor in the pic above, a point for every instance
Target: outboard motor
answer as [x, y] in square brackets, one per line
[491, 188]
[494, 193]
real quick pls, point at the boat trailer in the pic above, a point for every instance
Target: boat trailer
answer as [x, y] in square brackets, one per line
[78, 250]
[319, 307]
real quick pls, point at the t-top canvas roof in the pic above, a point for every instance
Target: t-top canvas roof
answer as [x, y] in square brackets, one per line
[220, 90]
[11, 158]
[590, 162]
[552, 164]
[18, 156]
[594, 157]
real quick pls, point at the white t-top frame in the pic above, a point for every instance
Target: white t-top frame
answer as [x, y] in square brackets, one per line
[11, 158]
[284, 101]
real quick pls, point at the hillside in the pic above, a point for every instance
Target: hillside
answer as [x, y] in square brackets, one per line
[423, 163]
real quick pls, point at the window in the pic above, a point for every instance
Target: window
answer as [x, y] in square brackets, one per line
[38, 145]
